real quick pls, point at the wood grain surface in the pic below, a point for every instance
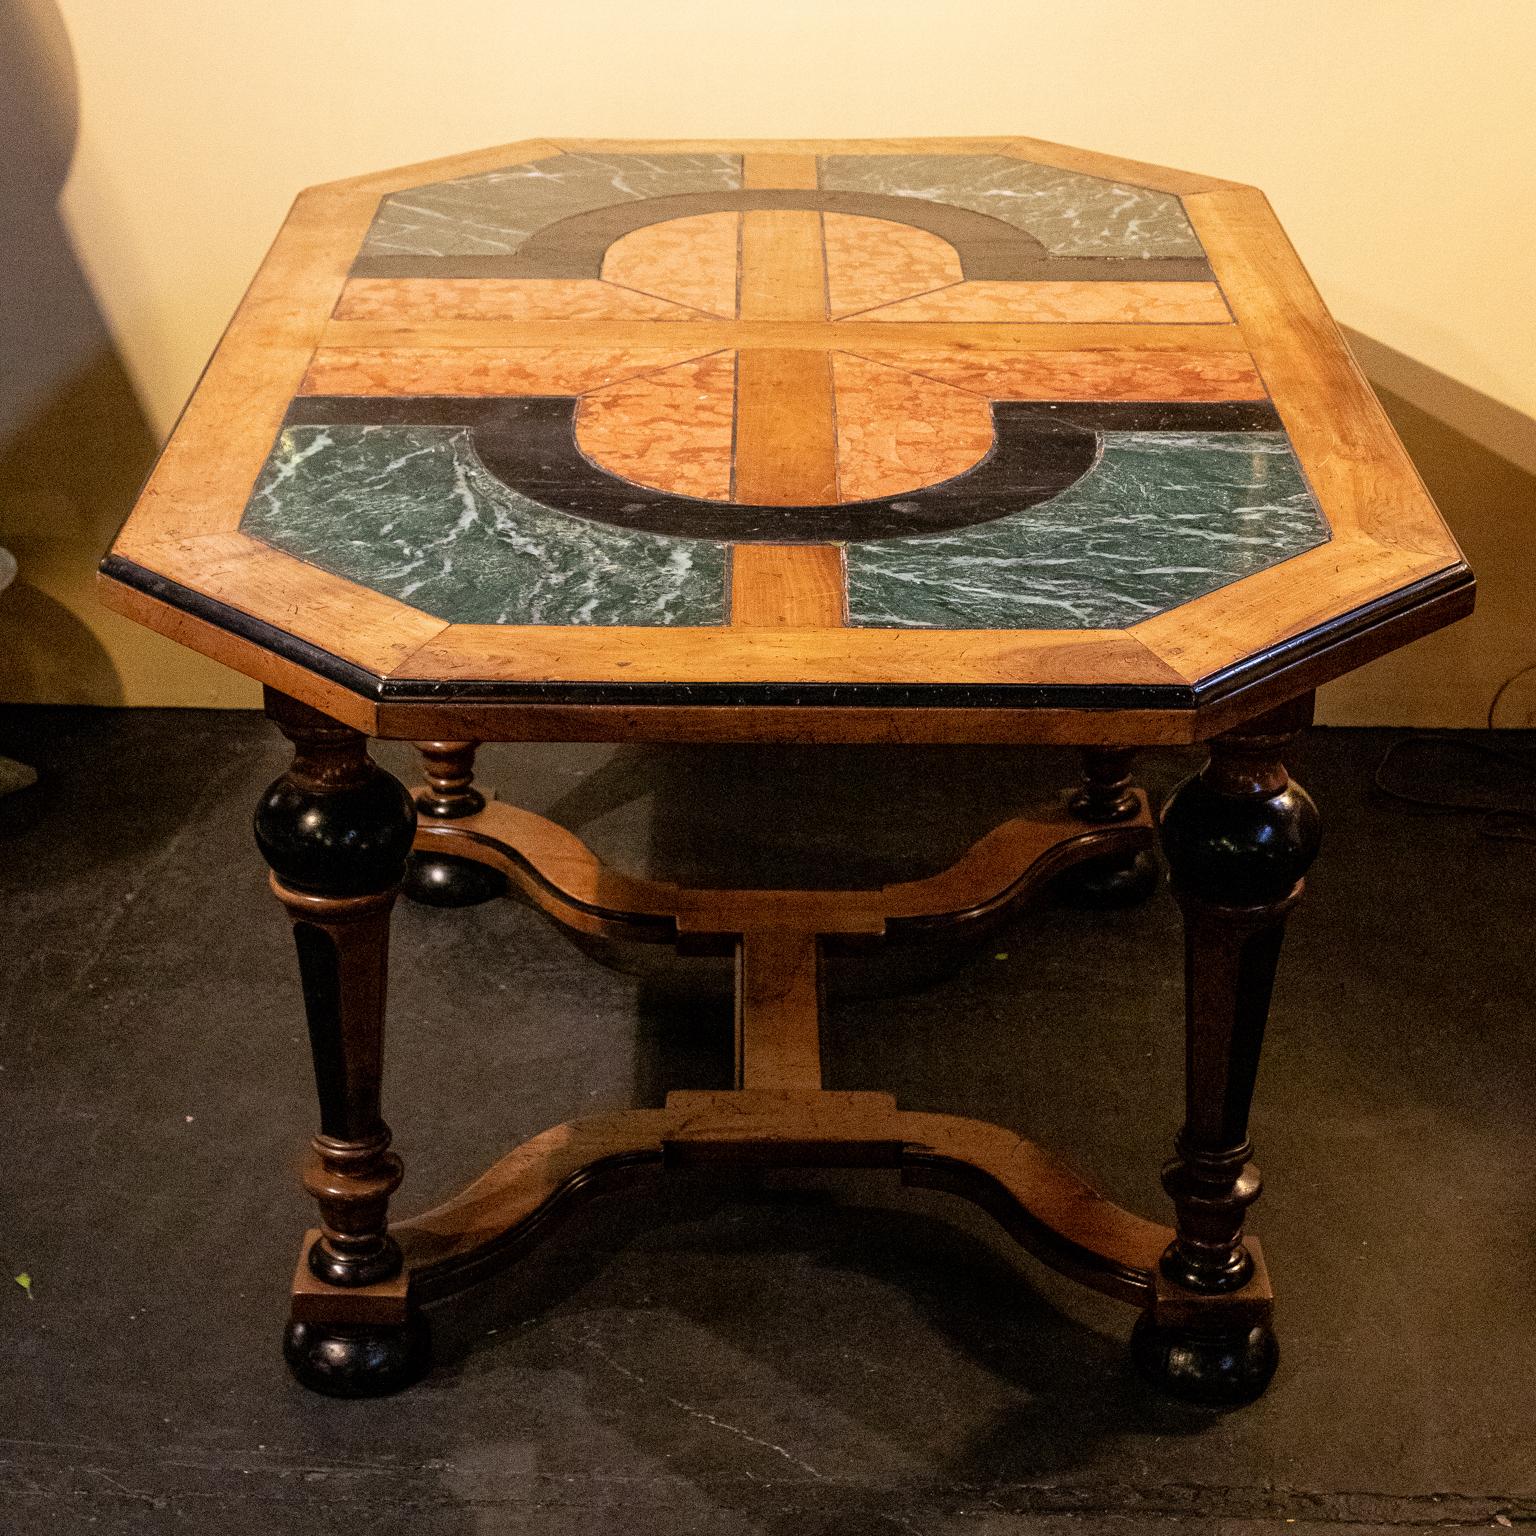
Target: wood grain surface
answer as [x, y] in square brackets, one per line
[768, 300]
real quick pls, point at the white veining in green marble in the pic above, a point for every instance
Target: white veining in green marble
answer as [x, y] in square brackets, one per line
[1069, 213]
[1163, 517]
[411, 512]
[493, 213]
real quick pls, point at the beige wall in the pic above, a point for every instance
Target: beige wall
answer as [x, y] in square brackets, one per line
[1392, 135]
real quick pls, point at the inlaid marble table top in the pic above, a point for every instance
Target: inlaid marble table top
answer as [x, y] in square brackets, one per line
[973, 424]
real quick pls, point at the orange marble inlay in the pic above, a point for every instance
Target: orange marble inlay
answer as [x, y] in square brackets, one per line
[689, 261]
[412, 299]
[897, 431]
[874, 261]
[777, 425]
[1109, 373]
[1086, 303]
[671, 430]
[478, 370]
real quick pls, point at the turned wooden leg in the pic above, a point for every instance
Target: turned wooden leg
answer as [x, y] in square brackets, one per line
[336, 829]
[1117, 880]
[1238, 838]
[444, 879]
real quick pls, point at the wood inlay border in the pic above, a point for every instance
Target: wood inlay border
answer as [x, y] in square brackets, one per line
[1391, 570]
[819, 336]
[765, 169]
[787, 586]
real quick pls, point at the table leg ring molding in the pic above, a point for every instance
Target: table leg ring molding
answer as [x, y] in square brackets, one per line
[1107, 795]
[443, 879]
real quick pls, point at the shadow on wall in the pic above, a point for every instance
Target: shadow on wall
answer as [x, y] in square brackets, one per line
[1478, 458]
[74, 443]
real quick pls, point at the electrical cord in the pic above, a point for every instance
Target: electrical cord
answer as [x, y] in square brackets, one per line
[1502, 820]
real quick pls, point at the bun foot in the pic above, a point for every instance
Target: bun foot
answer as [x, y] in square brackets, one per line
[1110, 882]
[358, 1359]
[445, 880]
[1224, 1367]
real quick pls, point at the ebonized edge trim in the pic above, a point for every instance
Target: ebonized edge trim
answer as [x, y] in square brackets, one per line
[1355, 625]
[233, 621]
[1288, 654]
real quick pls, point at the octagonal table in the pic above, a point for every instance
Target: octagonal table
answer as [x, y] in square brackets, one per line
[911, 441]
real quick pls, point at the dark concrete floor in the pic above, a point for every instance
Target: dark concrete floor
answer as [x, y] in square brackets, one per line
[816, 1355]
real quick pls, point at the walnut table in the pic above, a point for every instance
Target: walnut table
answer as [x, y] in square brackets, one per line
[982, 440]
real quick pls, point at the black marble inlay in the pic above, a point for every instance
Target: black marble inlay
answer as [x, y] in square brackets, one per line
[528, 443]
[987, 247]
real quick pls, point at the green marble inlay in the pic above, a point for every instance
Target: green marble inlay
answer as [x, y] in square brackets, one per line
[492, 214]
[411, 512]
[1069, 213]
[1163, 517]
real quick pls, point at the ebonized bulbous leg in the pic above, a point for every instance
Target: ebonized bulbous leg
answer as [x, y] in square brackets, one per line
[1222, 1366]
[1238, 837]
[357, 1359]
[336, 829]
[443, 879]
[1117, 879]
